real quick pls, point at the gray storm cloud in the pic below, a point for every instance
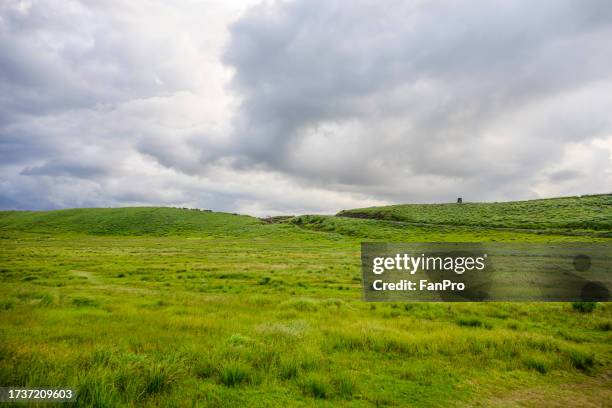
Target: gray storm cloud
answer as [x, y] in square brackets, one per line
[331, 104]
[487, 96]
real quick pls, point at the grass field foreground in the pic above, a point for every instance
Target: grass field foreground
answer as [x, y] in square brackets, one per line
[171, 307]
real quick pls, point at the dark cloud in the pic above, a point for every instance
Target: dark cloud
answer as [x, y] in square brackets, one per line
[68, 168]
[564, 175]
[332, 104]
[410, 90]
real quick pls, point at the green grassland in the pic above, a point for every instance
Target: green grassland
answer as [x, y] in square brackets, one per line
[170, 307]
[586, 213]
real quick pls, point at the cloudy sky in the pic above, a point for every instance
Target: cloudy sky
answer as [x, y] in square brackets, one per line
[305, 106]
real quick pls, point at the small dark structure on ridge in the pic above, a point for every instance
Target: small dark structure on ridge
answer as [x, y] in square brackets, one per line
[459, 200]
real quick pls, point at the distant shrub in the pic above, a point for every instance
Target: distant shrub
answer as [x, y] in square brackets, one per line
[265, 280]
[584, 307]
[29, 278]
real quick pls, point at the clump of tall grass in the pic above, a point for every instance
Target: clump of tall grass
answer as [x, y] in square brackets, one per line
[36, 298]
[82, 301]
[234, 373]
[158, 378]
[302, 305]
[240, 340]
[288, 369]
[536, 363]
[346, 385]
[584, 307]
[473, 322]
[605, 326]
[7, 304]
[316, 386]
[95, 391]
[581, 360]
[292, 330]
[204, 367]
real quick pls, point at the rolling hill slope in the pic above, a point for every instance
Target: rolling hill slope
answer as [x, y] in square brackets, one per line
[127, 221]
[578, 213]
[588, 214]
[172, 307]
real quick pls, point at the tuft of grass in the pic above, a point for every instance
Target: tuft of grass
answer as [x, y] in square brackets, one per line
[302, 305]
[535, 363]
[234, 373]
[605, 326]
[7, 304]
[316, 386]
[265, 280]
[158, 378]
[102, 357]
[584, 307]
[471, 322]
[288, 369]
[346, 385]
[96, 392]
[46, 299]
[239, 340]
[204, 367]
[82, 301]
[581, 360]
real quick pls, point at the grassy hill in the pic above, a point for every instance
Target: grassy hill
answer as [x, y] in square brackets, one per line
[172, 307]
[580, 213]
[557, 215]
[127, 221]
